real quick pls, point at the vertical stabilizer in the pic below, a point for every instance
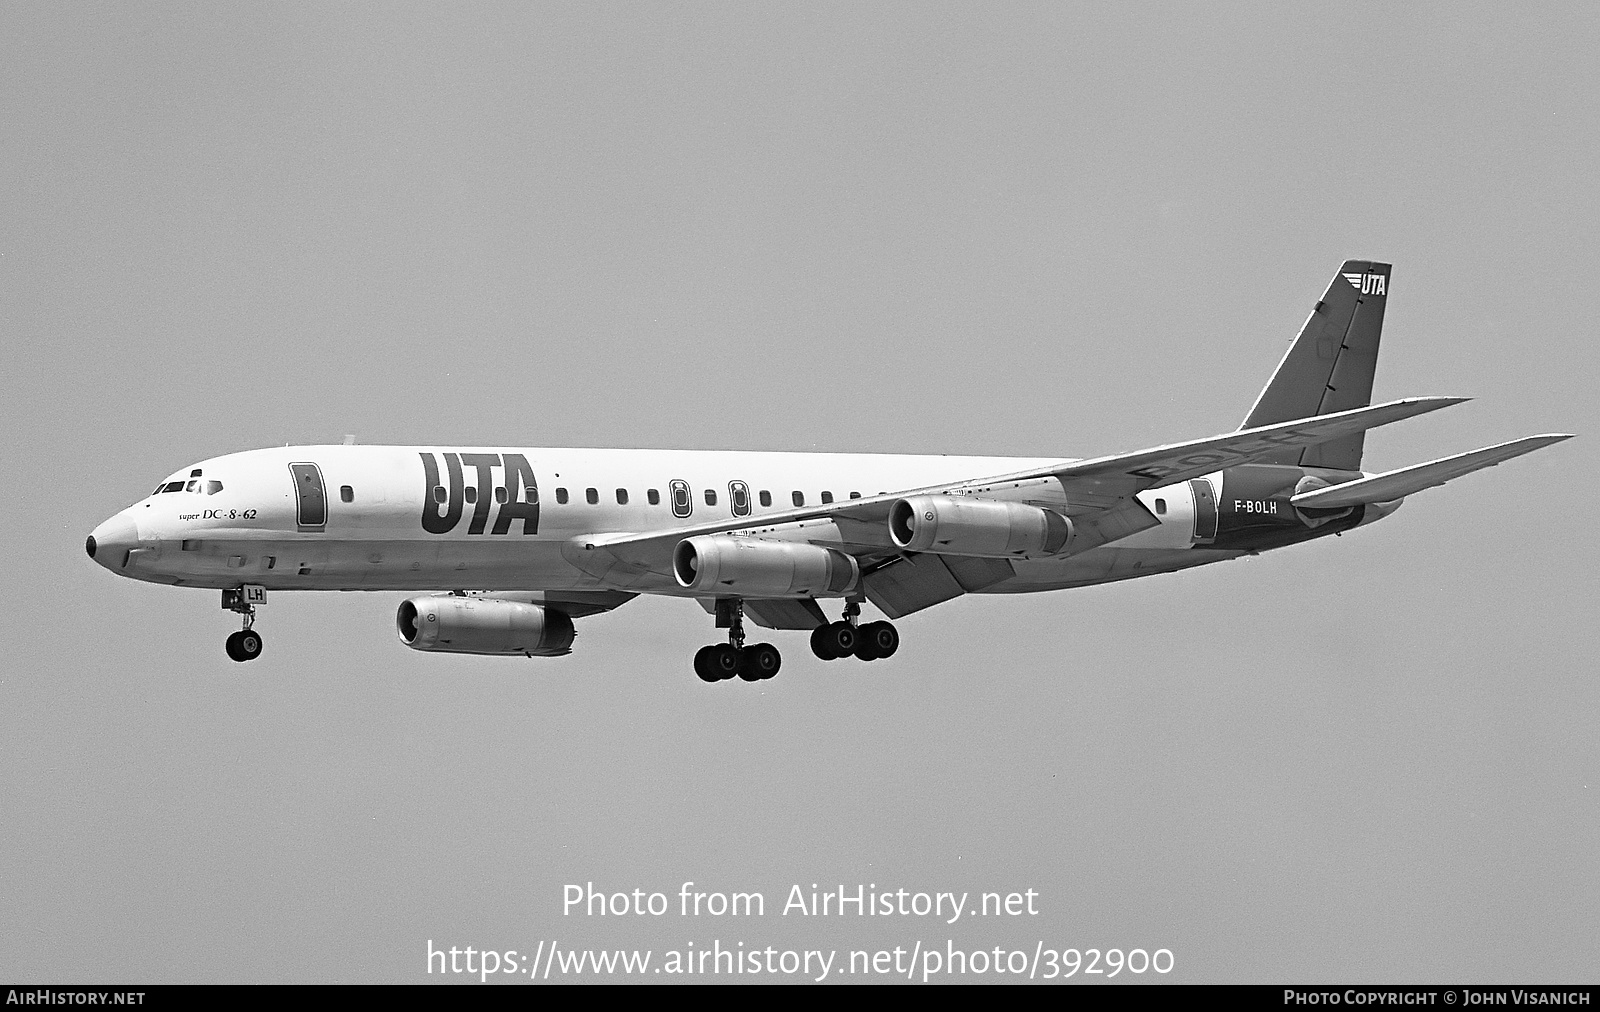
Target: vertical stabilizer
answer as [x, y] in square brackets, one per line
[1330, 365]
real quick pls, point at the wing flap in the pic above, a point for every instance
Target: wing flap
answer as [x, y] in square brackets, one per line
[784, 613]
[1408, 480]
[1108, 525]
[914, 582]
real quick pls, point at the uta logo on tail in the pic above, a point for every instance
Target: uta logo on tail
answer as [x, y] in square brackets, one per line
[1368, 284]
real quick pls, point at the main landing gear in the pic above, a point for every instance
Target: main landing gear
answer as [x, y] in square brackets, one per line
[720, 661]
[845, 638]
[244, 645]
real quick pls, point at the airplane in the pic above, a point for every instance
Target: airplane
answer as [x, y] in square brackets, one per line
[504, 547]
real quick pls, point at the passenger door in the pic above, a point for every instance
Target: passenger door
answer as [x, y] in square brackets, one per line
[1205, 511]
[310, 497]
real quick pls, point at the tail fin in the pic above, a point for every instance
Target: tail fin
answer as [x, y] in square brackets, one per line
[1330, 365]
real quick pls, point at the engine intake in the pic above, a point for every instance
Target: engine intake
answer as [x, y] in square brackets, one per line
[755, 567]
[958, 525]
[466, 625]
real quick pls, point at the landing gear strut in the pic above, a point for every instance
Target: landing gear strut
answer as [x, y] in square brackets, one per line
[244, 645]
[845, 638]
[721, 661]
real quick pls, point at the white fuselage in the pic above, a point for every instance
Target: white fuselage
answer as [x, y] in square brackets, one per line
[372, 536]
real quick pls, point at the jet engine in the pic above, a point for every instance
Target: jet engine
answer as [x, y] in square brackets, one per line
[754, 567]
[466, 625]
[958, 525]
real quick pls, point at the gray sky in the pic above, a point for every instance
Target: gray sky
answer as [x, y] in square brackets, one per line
[910, 228]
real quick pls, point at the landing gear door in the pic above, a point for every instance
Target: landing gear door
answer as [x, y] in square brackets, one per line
[1205, 511]
[310, 498]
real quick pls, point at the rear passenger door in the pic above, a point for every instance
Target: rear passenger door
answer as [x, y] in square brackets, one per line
[1205, 511]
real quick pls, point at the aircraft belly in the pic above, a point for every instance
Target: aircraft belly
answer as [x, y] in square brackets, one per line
[314, 564]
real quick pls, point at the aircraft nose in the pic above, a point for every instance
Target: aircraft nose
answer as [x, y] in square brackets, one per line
[110, 543]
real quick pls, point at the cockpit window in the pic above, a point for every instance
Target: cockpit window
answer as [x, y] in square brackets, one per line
[195, 485]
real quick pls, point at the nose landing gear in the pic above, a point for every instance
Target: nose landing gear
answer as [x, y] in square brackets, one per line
[244, 645]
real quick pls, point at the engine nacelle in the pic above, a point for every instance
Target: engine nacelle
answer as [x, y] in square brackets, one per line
[753, 567]
[466, 625]
[959, 525]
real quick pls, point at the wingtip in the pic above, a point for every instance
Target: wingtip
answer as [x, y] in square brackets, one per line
[1442, 401]
[1425, 403]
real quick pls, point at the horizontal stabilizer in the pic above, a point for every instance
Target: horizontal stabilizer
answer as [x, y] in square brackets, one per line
[1125, 474]
[1403, 482]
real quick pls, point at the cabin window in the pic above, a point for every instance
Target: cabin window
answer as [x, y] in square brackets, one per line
[827, 497]
[500, 494]
[531, 493]
[439, 494]
[798, 497]
[766, 498]
[711, 497]
[1161, 507]
[622, 497]
[654, 496]
[347, 493]
[470, 494]
[561, 496]
[855, 495]
[592, 495]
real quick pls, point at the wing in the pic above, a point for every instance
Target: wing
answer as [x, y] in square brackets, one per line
[1406, 480]
[575, 603]
[1100, 490]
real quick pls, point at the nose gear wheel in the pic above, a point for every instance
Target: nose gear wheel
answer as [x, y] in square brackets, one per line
[244, 645]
